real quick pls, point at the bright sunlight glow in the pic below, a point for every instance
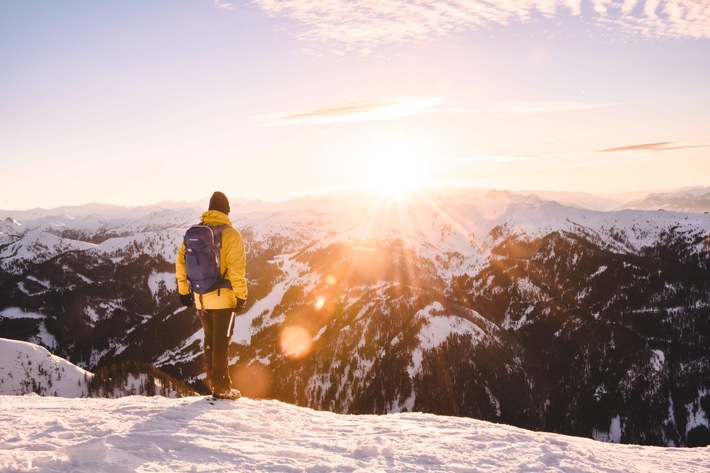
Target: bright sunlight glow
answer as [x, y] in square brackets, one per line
[394, 168]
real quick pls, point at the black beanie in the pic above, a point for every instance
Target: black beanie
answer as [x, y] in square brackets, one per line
[219, 201]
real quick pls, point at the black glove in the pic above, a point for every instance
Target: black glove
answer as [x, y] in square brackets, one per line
[188, 300]
[240, 305]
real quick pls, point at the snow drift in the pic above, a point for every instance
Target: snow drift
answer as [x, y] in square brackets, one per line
[142, 434]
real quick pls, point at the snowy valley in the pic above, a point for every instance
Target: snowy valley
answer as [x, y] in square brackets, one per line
[504, 307]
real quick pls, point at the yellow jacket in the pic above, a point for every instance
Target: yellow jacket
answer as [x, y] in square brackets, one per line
[232, 260]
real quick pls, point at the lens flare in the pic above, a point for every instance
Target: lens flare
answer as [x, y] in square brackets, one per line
[295, 342]
[320, 302]
[252, 380]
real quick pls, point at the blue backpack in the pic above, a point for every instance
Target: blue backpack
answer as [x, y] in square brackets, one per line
[202, 258]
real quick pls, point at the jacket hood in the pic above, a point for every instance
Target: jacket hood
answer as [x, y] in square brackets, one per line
[215, 217]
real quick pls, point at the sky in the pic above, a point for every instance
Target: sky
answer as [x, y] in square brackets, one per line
[138, 102]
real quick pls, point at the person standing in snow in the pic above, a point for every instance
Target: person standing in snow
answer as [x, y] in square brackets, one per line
[218, 308]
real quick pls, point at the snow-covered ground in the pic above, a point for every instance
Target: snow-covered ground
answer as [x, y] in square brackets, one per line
[156, 434]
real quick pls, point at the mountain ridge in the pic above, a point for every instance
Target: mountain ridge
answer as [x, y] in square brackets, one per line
[527, 306]
[587, 200]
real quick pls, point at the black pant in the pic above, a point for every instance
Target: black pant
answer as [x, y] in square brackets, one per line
[218, 325]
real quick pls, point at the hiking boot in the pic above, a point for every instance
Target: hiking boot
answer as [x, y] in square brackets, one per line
[227, 394]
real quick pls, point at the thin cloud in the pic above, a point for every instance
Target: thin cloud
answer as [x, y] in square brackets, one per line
[512, 109]
[663, 146]
[222, 5]
[536, 107]
[386, 109]
[402, 107]
[362, 25]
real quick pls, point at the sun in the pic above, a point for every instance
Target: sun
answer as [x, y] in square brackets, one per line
[394, 168]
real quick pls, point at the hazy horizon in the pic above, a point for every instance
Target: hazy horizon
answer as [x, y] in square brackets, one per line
[619, 197]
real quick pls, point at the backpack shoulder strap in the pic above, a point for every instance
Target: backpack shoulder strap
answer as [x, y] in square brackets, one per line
[218, 229]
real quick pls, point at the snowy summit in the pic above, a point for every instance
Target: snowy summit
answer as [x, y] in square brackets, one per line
[157, 434]
[196, 434]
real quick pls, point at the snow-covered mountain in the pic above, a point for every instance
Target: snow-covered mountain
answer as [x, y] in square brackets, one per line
[26, 368]
[695, 199]
[502, 306]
